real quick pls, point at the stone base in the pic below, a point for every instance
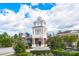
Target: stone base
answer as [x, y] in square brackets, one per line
[45, 45]
[42, 45]
[33, 45]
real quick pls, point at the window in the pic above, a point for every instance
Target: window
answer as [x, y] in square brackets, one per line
[37, 31]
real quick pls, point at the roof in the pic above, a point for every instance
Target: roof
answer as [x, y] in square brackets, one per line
[68, 31]
[39, 19]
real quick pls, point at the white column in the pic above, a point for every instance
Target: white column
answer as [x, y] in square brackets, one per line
[33, 38]
[33, 42]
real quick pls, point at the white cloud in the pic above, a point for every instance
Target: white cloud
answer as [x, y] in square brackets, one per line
[34, 4]
[65, 15]
[60, 17]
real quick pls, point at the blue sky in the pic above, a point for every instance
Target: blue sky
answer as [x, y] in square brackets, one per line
[15, 6]
[18, 17]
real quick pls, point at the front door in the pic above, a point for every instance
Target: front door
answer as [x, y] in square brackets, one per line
[38, 42]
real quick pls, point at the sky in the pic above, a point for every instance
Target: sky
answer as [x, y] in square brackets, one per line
[19, 17]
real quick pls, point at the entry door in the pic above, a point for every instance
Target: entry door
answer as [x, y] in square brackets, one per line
[38, 42]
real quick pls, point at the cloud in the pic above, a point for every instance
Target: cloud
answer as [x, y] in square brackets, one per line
[34, 4]
[65, 16]
[60, 17]
[12, 22]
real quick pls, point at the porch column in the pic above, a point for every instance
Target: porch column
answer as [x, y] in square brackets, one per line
[33, 42]
[45, 42]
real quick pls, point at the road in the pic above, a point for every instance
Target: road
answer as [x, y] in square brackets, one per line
[6, 51]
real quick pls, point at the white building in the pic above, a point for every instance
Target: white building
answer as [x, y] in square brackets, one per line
[39, 34]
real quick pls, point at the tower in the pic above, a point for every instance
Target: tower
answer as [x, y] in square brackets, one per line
[39, 34]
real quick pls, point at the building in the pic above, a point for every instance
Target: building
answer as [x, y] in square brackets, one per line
[39, 34]
[69, 32]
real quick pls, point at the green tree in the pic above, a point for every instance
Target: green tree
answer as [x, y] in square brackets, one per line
[78, 45]
[57, 43]
[19, 48]
[15, 39]
[49, 39]
[5, 40]
[70, 39]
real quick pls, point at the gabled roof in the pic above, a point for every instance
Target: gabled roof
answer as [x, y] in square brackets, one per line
[68, 31]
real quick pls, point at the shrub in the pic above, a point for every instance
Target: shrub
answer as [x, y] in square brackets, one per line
[78, 45]
[39, 53]
[20, 48]
[21, 54]
[24, 54]
[62, 53]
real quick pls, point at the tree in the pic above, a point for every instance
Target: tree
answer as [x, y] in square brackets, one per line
[57, 43]
[49, 39]
[19, 48]
[78, 45]
[15, 39]
[70, 39]
[5, 40]
[27, 34]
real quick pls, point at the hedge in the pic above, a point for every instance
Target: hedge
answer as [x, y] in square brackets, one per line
[41, 53]
[23, 54]
[63, 53]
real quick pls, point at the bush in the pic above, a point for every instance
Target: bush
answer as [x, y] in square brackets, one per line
[21, 54]
[5, 40]
[78, 45]
[56, 42]
[24, 54]
[62, 53]
[39, 53]
[20, 48]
